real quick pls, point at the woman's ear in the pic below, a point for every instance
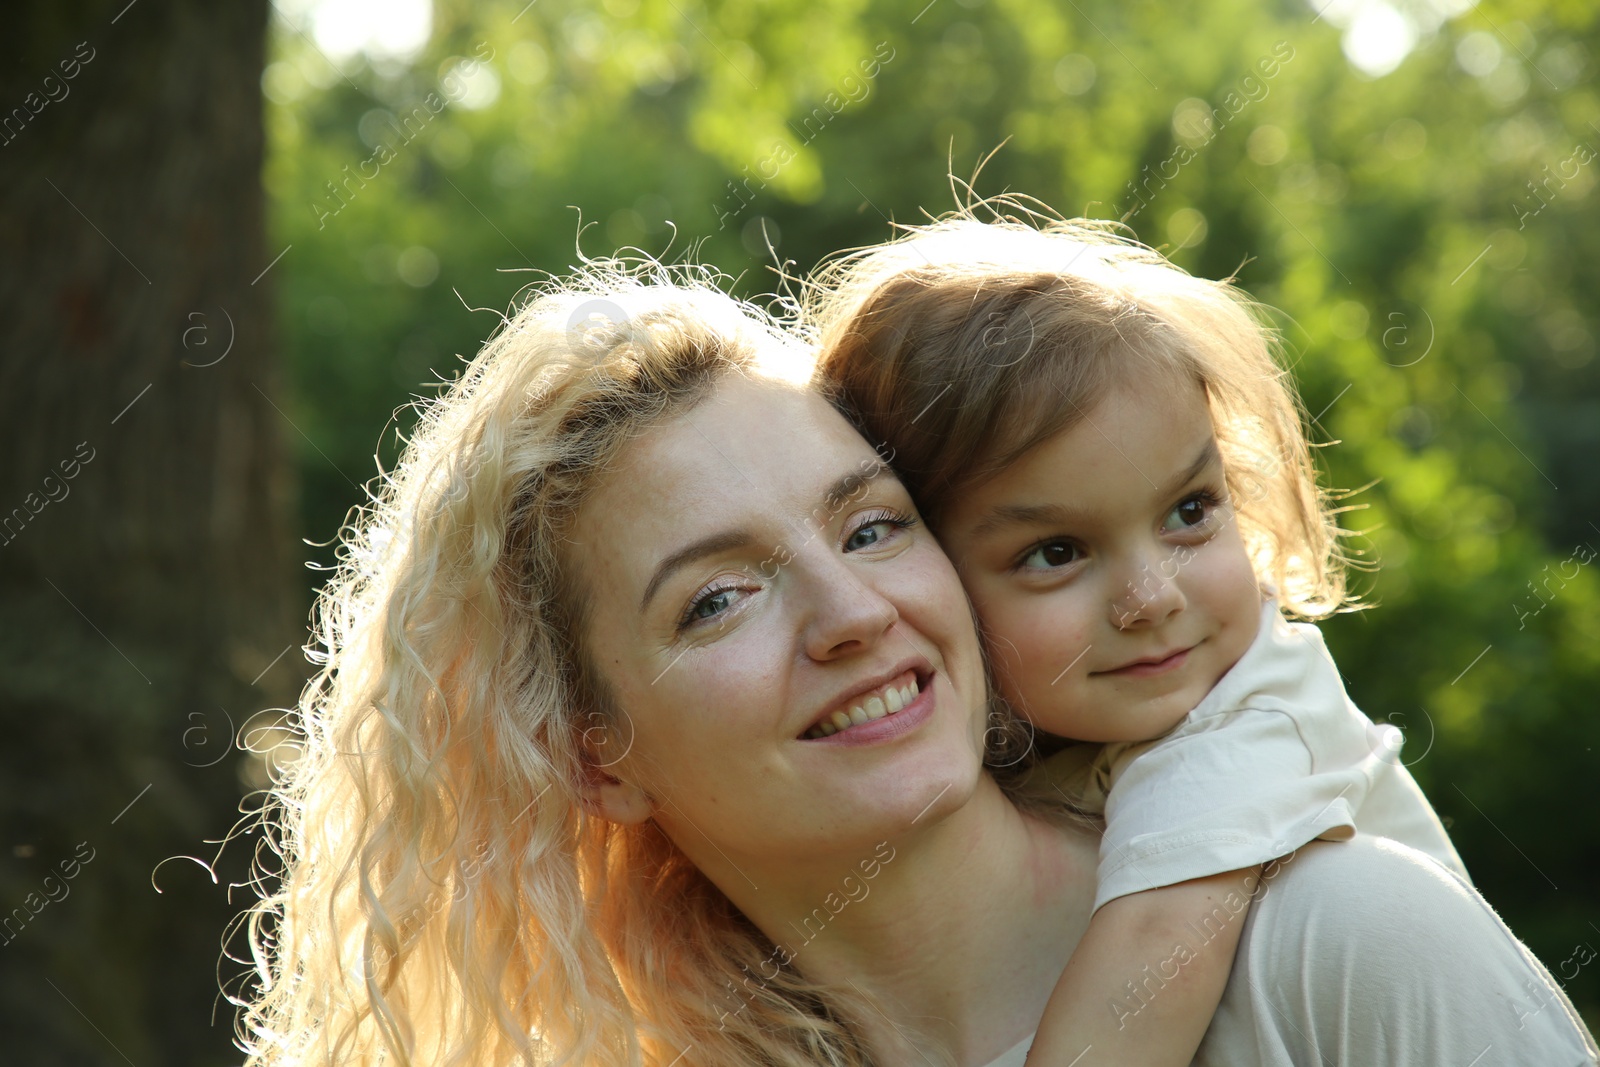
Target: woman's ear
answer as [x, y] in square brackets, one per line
[604, 794]
[618, 801]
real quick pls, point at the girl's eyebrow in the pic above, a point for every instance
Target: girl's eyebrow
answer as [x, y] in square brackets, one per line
[1061, 515]
[1004, 515]
[1209, 454]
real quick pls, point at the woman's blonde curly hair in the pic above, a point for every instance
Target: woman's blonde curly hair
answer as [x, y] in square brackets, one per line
[442, 896]
[964, 343]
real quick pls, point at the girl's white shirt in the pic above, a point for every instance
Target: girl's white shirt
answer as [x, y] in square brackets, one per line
[1369, 952]
[1373, 950]
[1276, 755]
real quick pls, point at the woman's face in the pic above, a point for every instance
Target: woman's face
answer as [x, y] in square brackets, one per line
[753, 577]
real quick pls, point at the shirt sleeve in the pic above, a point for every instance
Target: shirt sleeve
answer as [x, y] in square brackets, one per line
[1371, 952]
[1232, 790]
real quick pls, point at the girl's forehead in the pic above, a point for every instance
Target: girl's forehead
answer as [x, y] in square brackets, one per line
[1133, 449]
[1134, 426]
[1138, 423]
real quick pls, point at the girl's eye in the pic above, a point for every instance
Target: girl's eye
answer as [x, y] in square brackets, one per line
[877, 529]
[1194, 511]
[1051, 554]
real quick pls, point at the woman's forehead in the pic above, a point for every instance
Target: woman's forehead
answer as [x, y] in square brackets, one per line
[755, 453]
[750, 437]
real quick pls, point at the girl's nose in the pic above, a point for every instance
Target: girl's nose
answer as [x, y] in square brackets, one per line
[1149, 597]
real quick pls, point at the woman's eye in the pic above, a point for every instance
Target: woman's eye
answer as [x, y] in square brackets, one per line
[869, 535]
[712, 603]
[877, 529]
[1051, 554]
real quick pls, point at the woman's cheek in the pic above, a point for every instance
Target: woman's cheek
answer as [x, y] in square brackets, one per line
[675, 709]
[737, 679]
[935, 577]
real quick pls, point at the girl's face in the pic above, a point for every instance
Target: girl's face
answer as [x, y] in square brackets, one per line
[752, 572]
[1108, 573]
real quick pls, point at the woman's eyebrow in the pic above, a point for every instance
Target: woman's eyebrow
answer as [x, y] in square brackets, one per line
[706, 546]
[836, 496]
[848, 485]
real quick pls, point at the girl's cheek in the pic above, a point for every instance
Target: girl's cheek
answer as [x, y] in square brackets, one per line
[1230, 583]
[996, 609]
[1037, 635]
[1006, 642]
[1233, 560]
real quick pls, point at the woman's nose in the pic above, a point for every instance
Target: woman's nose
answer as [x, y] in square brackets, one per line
[846, 612]
[1148, 596]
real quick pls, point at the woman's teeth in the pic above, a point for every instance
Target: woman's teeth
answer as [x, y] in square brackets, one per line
[885, 701]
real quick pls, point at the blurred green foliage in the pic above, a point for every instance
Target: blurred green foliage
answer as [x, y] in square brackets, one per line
[1428, 235]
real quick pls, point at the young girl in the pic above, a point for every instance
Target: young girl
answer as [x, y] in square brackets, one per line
[1110, 454]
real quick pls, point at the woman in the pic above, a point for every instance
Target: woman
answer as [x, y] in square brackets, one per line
[564, 796]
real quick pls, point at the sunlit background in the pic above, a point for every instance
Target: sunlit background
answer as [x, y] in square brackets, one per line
[1408, 182]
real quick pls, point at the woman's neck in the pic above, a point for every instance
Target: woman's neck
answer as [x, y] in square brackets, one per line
[959, 929]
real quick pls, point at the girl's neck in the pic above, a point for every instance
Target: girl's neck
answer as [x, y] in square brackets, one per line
[958, 930]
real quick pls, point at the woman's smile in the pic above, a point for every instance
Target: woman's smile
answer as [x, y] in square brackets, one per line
[879, 713]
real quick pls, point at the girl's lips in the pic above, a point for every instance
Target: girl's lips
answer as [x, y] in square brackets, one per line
[902, 722]
[1148, 670]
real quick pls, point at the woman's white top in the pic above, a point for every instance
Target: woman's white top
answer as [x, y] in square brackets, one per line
[1276, 755]
[1369, 953]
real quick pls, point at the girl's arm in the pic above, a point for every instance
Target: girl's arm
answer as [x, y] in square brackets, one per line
[1144, 981]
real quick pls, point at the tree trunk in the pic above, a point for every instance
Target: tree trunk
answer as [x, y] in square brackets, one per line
[147, 586]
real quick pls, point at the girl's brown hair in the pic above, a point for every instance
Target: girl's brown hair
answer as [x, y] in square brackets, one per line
[963, 344]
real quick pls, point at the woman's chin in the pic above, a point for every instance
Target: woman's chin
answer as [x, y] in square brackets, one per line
[908, 770]
[926, 795]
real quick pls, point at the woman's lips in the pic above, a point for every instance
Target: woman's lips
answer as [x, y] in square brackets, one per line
[1148, 670]
[886, 699]
[875, 731]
